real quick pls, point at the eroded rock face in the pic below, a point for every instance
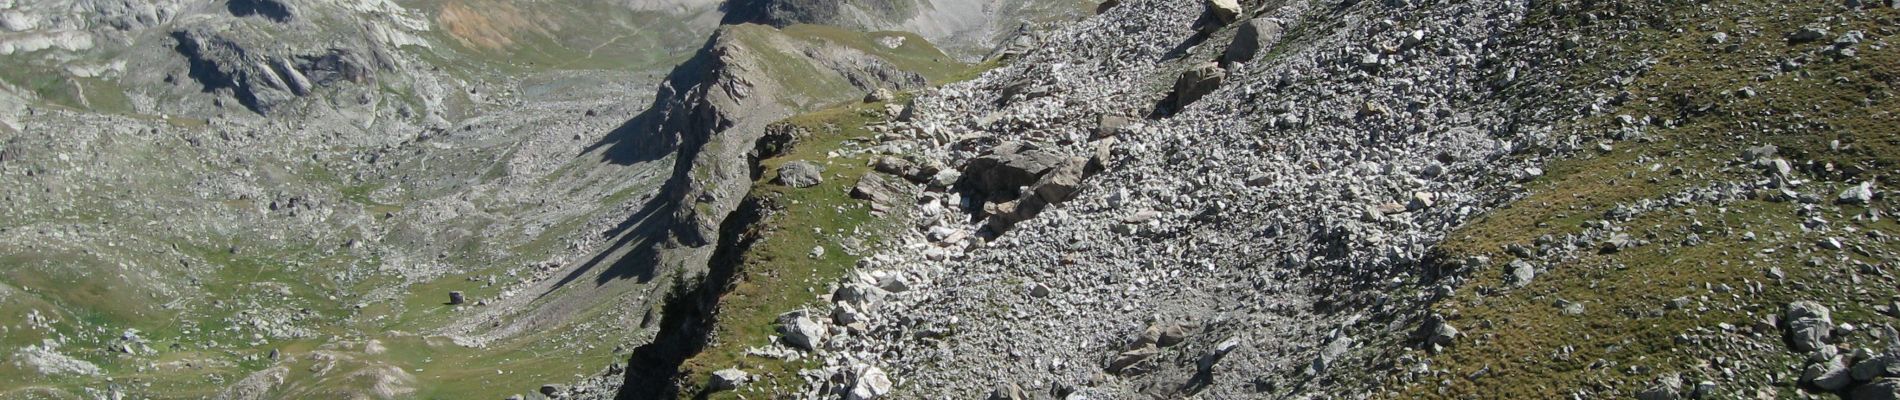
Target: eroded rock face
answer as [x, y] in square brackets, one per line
[275, 10]
[264, 76]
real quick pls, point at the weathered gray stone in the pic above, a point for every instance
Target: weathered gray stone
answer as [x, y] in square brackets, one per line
[801, 174]
[728, 379]
[799, 330]
[1197, 82]
[1122, 362]
[1808, 324]
[1255, 36]
[1225, 11]
[1008, 168]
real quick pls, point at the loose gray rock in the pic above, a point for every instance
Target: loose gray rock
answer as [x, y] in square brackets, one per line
[1256, 35]
[1859, 194]
[1522, 272]
[1884, 365]
[881, 94]
[1197, 82]
[1669, 387]
[1832, 376]
[1808, 324]
[729, 378]
[799, 330]
[1226, 11]
[801, 174]
[871, 383]
[1122, 362]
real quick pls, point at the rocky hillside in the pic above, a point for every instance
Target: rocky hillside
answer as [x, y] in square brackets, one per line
[1269, 199]
[1008, 199]
[413, 199]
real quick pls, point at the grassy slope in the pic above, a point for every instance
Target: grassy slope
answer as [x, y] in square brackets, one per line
[778, 274]
[1519, 337]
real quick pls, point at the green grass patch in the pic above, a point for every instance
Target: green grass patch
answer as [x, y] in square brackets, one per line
[778, 274]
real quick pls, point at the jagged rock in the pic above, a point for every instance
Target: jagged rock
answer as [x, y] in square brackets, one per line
[728, 379]
[879, 95]
[1009, 390]
[906, 169]
[1808, 324]
[1668, 387]
[871, 383]
[1194, 84]
[552, 390]
[456, 298]
[1060, 184]
[883, 192]
[1008, 167]
[1831, 375]
[1256, 35]
[855, 294]
[1165, 334]
[801, 174]
[1110, 125]
[1858, 194]
[1522, 272]
[799, 330]
[1122, 362]
[1442, 333]
[1808, 33]
[1703, 390]
[1884, 365]
[1225, 11]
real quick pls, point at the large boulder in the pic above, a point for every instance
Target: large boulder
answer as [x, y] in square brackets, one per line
[871, 383]
[1808, 324]
[1193, 84]
[1257, 35]
[1123, 362]
[1009, 167]
[799, 330]
[1225, 11]
[1884, 365]
[1830, 374]
[801, 174]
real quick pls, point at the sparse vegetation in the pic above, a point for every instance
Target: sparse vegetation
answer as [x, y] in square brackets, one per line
[1709, 101]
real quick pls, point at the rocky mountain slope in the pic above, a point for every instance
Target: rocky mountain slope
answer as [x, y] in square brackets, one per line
[414, 199]
[947, 199]
[1349, 199]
